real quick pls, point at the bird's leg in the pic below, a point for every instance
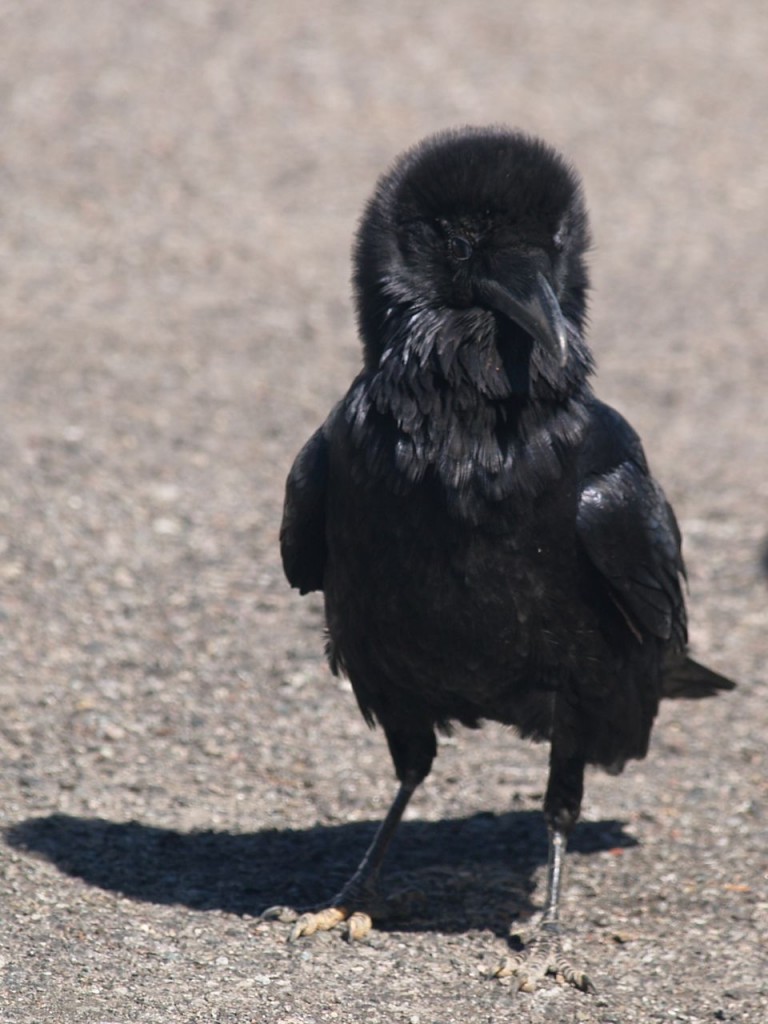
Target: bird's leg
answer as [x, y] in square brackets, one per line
[543, 954]
[413, 756]
[360, 891]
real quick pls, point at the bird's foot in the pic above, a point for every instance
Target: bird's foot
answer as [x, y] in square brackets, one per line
[358, 902]
[321, 919]
[542, 956]
[352, 907]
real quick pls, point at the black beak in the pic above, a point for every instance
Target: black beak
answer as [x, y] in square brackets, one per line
[537, 312]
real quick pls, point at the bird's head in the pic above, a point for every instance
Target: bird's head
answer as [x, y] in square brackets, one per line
[473, 235]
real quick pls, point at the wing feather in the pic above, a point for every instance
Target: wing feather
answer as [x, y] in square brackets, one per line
[302, 532]
[630, 534]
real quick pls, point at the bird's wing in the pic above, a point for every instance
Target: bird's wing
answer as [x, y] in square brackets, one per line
[630, 533]
[302, 532]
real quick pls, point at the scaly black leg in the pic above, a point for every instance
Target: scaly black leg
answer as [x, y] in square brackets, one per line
[412, 754]
[543, 954]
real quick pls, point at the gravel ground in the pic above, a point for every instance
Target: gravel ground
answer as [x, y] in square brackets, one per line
[179, 185]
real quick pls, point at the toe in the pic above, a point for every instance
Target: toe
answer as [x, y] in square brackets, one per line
[286, 915]
[579, 979]
[317, 921]
[358, 926]
[503, 968]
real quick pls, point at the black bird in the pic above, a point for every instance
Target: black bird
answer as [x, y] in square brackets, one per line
[487, 534]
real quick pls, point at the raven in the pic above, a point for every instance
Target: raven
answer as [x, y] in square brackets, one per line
[487, 534]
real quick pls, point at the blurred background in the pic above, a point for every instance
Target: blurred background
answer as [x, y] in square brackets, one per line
[180, 181]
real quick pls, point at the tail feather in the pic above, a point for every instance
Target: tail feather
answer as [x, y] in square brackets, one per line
[687, 678]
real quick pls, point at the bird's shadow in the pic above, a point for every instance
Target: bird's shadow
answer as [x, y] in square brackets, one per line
[473, 872]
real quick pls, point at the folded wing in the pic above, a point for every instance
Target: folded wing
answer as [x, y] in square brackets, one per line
[302, 532]
[630, 534]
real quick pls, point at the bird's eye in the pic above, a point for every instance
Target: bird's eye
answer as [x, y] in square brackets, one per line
[559, 238]
[459, 248]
